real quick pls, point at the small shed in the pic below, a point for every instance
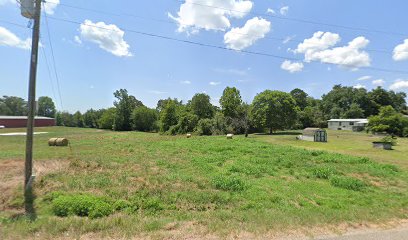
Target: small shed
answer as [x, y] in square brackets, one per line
[314, 135]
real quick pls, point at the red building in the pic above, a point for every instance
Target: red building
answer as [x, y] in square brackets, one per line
[21, 121]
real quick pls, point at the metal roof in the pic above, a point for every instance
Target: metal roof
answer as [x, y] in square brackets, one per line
[23, 118]
[349, 120]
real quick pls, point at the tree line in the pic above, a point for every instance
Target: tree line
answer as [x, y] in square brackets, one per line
[269, 111]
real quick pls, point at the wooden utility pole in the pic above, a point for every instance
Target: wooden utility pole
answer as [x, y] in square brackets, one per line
[29, 178]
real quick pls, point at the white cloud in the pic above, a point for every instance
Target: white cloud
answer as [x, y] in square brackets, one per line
[292, 67]
[253, 30]
[78, 40]
[378, 82]
[399, 85]
[185, 82]
[364, 78]
[401, 51]
[284, 10]
[8, 38]
[271, 11]
[108, 37]
[50, 6]
[321, 48]
[194, 15]
[358, 86]
[288, 39]
[215, 83]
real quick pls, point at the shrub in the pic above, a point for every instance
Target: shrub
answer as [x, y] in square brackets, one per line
[205, 127]
[81, 205]
[100, 209]
[229, 183]
[348, 183]
[323, 172]
[121, 205]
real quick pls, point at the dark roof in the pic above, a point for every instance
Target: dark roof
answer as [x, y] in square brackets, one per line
[23, 118]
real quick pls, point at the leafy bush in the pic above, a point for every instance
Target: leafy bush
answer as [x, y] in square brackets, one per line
[147, 203]
[81, 205]
[389, 139]
[348, 183]
[323, 172]
[205, 127]
[121, 205]
[100, 209]
[229, 183]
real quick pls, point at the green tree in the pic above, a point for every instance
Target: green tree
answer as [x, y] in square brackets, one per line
[90, 118]
[168, 116]
[107, 119]
[354, 111]
[201, 106]
[46, 107]
[230, 102]
[13, 106]
[78, 120]
[274, 110]
[389, 121]
[125, 104]
[300, 97]
[144, 119]
[163, 102]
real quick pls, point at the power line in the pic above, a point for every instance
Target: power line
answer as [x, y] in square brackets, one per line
[297, 19]
[219, 47]
[172, 23]
[49, 71]
[53, 60]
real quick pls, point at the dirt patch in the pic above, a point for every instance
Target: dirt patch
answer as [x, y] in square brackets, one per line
[12, 177]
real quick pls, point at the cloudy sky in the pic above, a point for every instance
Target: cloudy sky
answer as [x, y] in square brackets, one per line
[158, 49]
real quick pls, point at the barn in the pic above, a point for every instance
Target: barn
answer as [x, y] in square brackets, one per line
[21, 121]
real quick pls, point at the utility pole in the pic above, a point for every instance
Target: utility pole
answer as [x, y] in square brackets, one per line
[28, 177]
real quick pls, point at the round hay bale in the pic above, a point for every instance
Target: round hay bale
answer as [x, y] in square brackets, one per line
[188, 135]
[61, 142]
[52, 142]
[230, 136]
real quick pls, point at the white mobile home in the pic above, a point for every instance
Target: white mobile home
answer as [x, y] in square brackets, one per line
[347, 124]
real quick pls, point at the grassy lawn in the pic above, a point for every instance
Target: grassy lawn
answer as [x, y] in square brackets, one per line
[160, 186]
[347, 142]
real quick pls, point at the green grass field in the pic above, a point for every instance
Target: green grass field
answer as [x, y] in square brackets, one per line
[160, 186]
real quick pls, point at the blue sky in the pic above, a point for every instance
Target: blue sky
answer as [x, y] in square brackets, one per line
[99, 52]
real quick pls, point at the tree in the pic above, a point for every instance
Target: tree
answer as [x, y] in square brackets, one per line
[300, 97]
[144, 119]
[274, 110]
[125, 104]
[13, 106]
[168, 116]
[90, 118]
[201, 106]
[78, 120]
[107, 119]
[354, 112]
[389, 121]
[46, 107]
[230, 102]
[163, 102]
[312, 117]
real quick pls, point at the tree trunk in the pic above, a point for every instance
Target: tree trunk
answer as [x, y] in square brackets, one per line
[271, 131]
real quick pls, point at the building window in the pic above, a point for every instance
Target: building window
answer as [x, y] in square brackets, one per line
[351, 123]
[339, 123]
